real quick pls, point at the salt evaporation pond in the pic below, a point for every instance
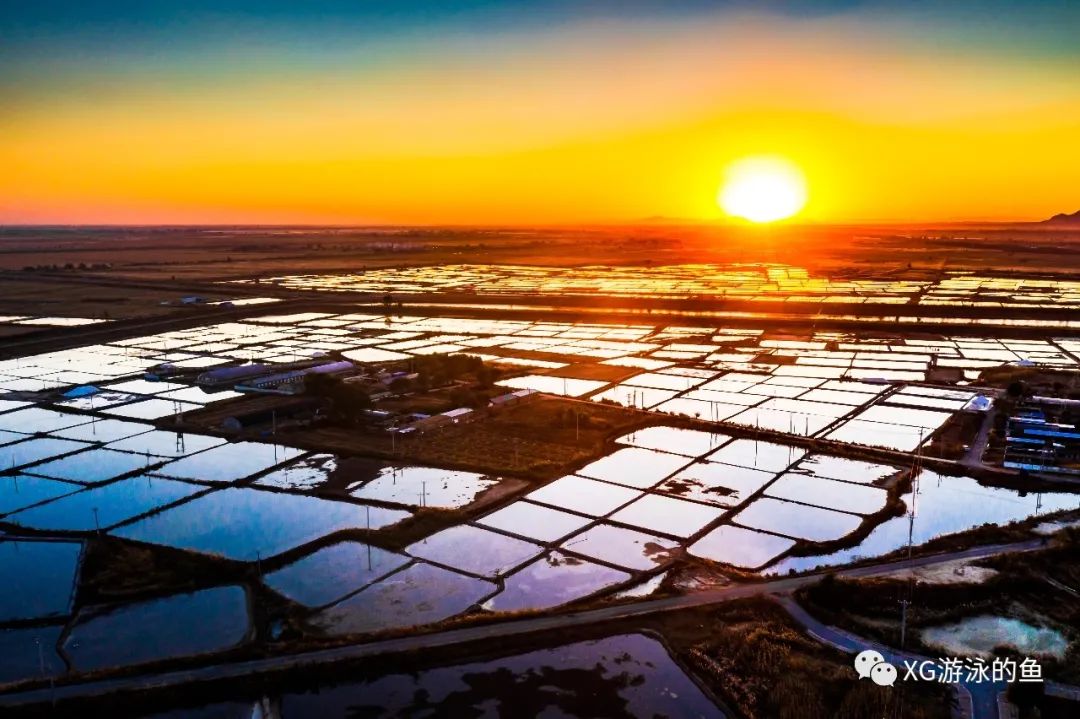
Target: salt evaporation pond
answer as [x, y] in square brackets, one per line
[182, 625]
[687, 442]
[551, 580]
[587, 496]
[103, 430]
[166, 444]
[229, 462]
[419, 594]
[978, 636]
[946, 505]
[18, 491]
[303, 474]
[36, 450]
[740, 547]
[333, 572]
[91, 467]
[24, 653]
[246, 524]
[39, 578]
[105, 506]
[585, 679]
[474, 550]
[424, 486]
[622, 547]
[534, 521]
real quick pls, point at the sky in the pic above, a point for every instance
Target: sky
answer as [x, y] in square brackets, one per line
[513, 112]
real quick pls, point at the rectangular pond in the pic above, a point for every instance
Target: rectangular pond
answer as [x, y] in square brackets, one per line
[245, 524]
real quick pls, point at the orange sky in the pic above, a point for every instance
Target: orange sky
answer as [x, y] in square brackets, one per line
[598, 120]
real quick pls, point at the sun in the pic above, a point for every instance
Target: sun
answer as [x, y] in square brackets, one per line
[762, 189]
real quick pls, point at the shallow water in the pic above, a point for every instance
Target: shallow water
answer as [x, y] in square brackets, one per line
[39, 578]
[181, 625]
[105, 506]
[622, 676]
[534, 521]
[18, 491]
[667, 515]
[30, 653]
[246, 524]
[332, 572]
[687, 442]
[419, 594]
[92, 466]
[474, 550]
[799, 521]
[229, 462]
[580, 494]
[551, 580]
[424, 486]
[740, 547]
[978, 636]
[622, 547]
[634, 467]
[945, 505]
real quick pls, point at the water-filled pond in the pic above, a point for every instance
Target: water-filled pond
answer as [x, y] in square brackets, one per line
[945, 505]
[474, 550]
[332, 572]
[106, 505]
[978, 636]
[622, 676]
[181, 625]
[551, 580]
[419, 594]
[39, 578]
[246, 524]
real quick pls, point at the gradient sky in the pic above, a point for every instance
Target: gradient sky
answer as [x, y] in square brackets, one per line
[532, 112]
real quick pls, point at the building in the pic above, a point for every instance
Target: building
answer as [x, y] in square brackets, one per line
[293, 381]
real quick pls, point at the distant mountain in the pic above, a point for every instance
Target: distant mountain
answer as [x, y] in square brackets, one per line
[1064, 219]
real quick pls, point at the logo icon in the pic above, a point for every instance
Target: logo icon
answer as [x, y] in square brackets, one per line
[870, 663]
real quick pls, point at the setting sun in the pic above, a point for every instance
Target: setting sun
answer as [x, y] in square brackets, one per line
[763, 189]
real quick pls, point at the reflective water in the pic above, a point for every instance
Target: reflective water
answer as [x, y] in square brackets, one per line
[182, 625]
[419, 594]
[634, 467]
[30, 653]
[622, 547]
[667, 515]
[740, 547]
[19, 490]
[474, 550]
[245, 524]
[687, 442]
[91, 467]
[534, 521]
[105, 506]
[622, 676]
[229, 462]
[332, 572]
[587, 496]
[797, 520]
[828, 493]
[945, 505]
[551, 580]
[39, 578]
[423, 486]
[979, 636]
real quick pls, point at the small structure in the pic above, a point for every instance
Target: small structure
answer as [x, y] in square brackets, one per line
[293, 381]
[512, 398]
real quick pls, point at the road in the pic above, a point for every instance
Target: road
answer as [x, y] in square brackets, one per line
[978, 700]
[467, 635]
[973, 458]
